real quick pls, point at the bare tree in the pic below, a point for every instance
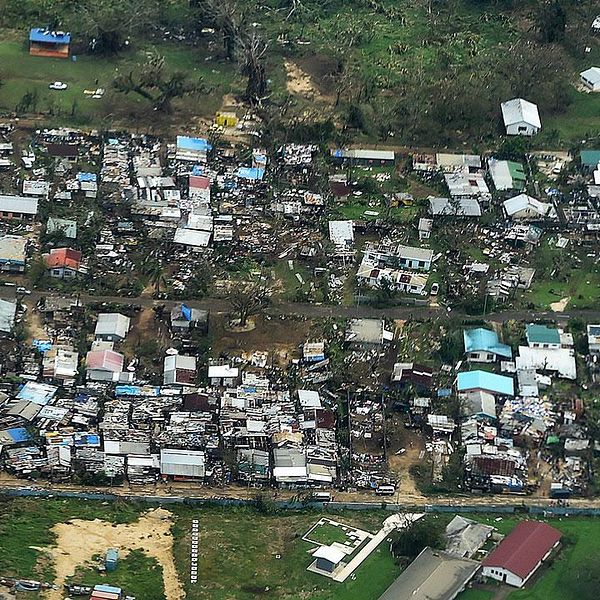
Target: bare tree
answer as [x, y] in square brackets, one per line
[254, 49]
[247, 300]
[154, 83]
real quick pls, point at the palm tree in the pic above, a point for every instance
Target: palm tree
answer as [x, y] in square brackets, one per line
[154, 272]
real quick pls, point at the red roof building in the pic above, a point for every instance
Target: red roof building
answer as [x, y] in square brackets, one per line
[63, 262]
[521, 552]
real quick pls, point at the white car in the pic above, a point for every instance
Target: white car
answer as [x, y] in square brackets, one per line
[58, 85]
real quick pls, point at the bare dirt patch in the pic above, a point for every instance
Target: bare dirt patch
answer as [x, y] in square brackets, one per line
[35, 327]
[281, 338]
[560, 305]
[300, 82]
[78, 541]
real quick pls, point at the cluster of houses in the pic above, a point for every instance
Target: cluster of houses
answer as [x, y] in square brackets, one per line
[510, 431]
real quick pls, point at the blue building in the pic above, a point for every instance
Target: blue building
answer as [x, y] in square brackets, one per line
[486, 382]
[482, 345]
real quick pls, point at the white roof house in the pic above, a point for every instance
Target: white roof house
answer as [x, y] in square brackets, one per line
[526, 207]
[192, 237]
[18, 205]
[309, 399]
[591, 78]
[7, 315]
[112, 326]
[222, 372]
[341, 233]
[459, 207]
[521, 117]
[182, 463]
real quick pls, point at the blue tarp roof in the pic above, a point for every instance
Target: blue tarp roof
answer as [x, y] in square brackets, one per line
[186, 312]
[19, 434]
[197, 170]
[87, 177]
[491, 382]
[250, 173]
[134, 390]
[481, 339]
[42, 345]
[189, 143]
[40, 393]
[87, 439]
[444, 392]
[39, 34]
[111, 589]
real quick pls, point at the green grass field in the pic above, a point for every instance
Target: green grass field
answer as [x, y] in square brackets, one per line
[326, 533]
[244, 554]
[24, 74]
[475, 594]
[136, 573]
[583, 288]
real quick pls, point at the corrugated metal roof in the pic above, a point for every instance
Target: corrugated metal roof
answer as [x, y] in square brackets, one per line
[518, 110]
[499, 384]
[521, 551]
[18, 204]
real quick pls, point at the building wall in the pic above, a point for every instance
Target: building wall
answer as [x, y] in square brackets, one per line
[15, 216]
[482, 356]
[521, 128]
[49, 50]
[590, 85]
[503, 575]
[12, 267]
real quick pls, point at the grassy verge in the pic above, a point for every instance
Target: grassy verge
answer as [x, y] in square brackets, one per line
[137, 574]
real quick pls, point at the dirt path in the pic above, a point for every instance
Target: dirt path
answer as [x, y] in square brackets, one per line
[35, 327]
[78, 541]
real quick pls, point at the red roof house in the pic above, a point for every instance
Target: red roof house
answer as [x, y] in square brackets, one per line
[521, 552]
[63, 262]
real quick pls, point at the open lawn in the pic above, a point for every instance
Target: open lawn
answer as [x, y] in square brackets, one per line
[474, 594]
[581, 542]
[583, 287]
[24, 74]
[138, 574]
[274, 556]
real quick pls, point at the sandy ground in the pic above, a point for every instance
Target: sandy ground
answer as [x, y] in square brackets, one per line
[78, 541]
[560, 305]
[35, 328]
[299, 82]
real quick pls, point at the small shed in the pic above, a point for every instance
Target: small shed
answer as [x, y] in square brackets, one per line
[53, 44]
[328, 558]
[111, 560]
[591, 79]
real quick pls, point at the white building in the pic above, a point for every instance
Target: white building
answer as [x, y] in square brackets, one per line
[524, 207]
[112, 327]
[591, 78]
[521, 117]
[520, 554]
[415, 258]
[593, 333]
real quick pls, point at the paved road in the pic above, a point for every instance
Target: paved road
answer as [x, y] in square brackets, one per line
[220, 305]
